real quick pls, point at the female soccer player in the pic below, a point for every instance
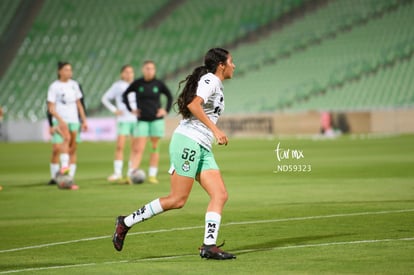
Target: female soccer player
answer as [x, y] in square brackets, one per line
[56, 144]
[150, 115]
[126, 121]
[200, 104]
[54, 159]
[64, 104]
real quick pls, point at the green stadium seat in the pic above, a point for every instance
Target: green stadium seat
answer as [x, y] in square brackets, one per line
[346, 57]
[342, 44]
[8, 8]
[98, 36]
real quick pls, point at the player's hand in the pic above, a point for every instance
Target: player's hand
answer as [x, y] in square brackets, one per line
[118, 112]
[62, 128]
[62, 125]
[54, 130]
[136, 112]
[161, 112]
[84, 126]
[221, 137]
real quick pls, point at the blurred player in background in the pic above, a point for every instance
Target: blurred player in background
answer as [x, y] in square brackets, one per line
[54, 159]
[126, 121]
[56, 144]
[150, 115]
[200, 103]
[65, 106]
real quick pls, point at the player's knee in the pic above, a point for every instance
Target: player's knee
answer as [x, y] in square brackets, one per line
[138, 150]
[224, 196]
[72, 151]
[155, 150]
[55, 151]
[66, 138]
[221, 197]
[72, 148]
[119, 148]
[179, 202]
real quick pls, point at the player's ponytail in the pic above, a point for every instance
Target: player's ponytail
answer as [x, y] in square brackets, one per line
[212, 59]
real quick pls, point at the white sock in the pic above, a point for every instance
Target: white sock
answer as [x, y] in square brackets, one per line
[54, 168]
[129, 169]
[64, 160]
[213, 220]
[118, 167]
[72, 170]
[152, 171]
[147, 211]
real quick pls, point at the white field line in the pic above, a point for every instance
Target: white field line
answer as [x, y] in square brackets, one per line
[198, 227]
[326, 244]
[192, 255]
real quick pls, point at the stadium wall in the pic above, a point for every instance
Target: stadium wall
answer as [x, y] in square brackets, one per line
[401, 121]
[306, 123]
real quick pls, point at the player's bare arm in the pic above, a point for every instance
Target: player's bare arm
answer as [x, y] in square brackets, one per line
[196, 109]
[82, 115]
[52, 110]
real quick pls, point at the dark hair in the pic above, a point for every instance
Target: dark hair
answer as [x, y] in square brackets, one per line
[149, 61]
[124, 67]
[212, 59]
[60, 65]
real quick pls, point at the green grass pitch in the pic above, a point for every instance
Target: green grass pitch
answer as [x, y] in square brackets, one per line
[352, 213]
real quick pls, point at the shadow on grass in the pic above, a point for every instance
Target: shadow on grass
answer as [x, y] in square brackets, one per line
[32, 184]
[101, 181]
[284, 242]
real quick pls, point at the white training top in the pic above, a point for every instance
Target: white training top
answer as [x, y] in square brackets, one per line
[64, 95]
[115, 93]
[210, 89]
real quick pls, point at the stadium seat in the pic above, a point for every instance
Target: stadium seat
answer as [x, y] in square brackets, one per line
[98, 36]
[351, 54]
[305, 65]
[8, 8]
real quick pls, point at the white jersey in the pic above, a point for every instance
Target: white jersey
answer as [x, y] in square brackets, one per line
[115, 93]
[210, 89]
[64, 95]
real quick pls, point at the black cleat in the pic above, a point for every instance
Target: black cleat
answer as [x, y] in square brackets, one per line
[52, 182]
[120, 233]
[214, 252]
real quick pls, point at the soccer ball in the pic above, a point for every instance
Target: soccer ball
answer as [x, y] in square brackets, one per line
[64, 181]
[138, 176]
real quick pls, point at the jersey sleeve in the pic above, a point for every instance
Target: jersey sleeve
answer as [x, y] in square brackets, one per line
[79, 94]
[49, 118]
[125, 99]
[82, 100]
[168, 94]
[205, 88]
[51, 94]
[107, 97]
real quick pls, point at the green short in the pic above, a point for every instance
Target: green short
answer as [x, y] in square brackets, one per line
[127, 129]
[188, 158]
[155, 128]
[73, 127]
